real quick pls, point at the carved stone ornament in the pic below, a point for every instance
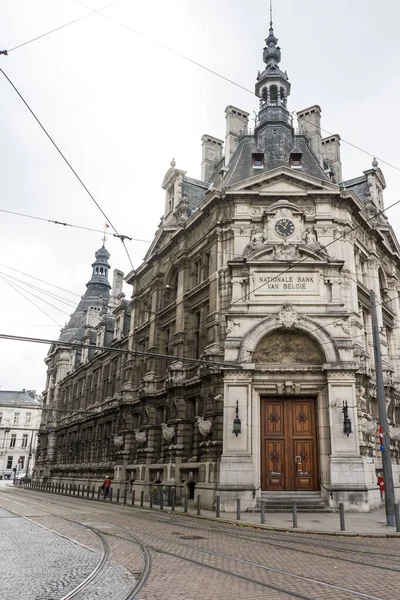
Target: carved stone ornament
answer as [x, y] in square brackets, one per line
[369, 427]
[167, 432]
[288, 316]
[140, 436]
[394, 433]
[118, 440]
[286, 252]
[204, 426]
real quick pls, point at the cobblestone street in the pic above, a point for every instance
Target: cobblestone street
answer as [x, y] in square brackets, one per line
[190, 558]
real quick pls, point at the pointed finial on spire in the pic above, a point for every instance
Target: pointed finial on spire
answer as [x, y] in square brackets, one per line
[375, 163]
[270, 13]
[106, 226]
[173, 163]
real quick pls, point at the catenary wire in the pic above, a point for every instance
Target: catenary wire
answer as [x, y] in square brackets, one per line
[223, 77]
[41, 280]
[18, 338]
[18, 214]
[35, 296]
[51, 295]
[121, 237]
[31, 302]
[6, 52]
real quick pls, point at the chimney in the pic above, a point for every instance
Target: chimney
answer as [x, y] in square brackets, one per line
[237, 122]
[118, 280]
[211, 154]
[331, 150]
[309, 121]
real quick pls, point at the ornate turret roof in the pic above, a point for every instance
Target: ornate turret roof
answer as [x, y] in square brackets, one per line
[97, 296]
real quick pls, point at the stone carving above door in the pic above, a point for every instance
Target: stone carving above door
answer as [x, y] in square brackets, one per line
[287, 346]
[288, 316]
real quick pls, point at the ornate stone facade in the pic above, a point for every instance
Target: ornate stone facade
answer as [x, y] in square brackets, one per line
[253, 300]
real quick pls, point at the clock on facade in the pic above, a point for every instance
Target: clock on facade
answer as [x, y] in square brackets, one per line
[284, 227]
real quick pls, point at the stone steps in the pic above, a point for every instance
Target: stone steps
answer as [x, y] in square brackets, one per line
[283, 502]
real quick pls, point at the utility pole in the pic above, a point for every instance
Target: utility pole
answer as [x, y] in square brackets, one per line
[380, 392]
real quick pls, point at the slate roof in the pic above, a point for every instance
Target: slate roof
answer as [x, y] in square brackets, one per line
[359, 185]
[194, 190]
[240, 167]
[20, 398]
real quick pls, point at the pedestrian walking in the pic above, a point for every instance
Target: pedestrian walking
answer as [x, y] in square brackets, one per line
[106, 487]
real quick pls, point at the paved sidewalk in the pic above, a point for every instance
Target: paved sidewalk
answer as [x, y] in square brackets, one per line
[361, 524]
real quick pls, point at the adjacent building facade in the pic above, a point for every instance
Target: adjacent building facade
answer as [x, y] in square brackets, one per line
[250, 313]
[20, 416]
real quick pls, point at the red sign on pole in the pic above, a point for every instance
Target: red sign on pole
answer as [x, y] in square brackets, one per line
[381, 483]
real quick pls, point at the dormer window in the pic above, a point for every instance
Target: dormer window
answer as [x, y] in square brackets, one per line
[257, 160]
[170, 199]
[295, 158]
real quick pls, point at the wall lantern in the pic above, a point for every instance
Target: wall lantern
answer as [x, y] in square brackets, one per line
[346, 420]
[237, 423]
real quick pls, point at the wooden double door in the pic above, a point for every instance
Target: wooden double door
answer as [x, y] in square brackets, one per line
[288, 445]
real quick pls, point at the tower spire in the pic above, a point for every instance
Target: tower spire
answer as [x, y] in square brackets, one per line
[270, 14]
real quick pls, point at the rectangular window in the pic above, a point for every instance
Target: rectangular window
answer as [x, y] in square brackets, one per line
[13, 440]
[24, 440]
[21, 462]
[206, 266]
[9, 462]
[28, 418]
[16, 418]
[197, 334]
[1, 417]
[197, 272]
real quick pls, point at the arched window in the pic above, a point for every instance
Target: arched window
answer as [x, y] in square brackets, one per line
[171, 287]
[273, 94]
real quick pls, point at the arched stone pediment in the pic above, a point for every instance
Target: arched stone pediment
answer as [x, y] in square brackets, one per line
[288, 346]
[292, 322]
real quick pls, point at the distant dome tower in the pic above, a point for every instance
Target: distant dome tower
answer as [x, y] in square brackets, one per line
[272, 86]
[100, 268]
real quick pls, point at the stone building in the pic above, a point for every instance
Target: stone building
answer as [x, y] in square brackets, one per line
[250, 312]
[78, 438]
[20, 415]
[262, 269]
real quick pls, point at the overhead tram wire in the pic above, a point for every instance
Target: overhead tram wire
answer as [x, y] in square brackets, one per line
[18, 338]
[223, 77]
[35, 296]
[32, 302]
[39, 37]
[41, 280]
[26, 284]
[18, 214]
[120, 236]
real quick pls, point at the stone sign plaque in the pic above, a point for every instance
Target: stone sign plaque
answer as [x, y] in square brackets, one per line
[267, 282]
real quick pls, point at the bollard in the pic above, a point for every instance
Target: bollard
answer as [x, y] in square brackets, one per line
[198, 504]
[294, 513]
[133, 497]
[262, 512]
[88, 491]
[341, 510]
[218, 507]
[125, 496]
[117, 495]
[161, 500]
[173, 500]
[151, 499]
[62, 488]
[111, 492]
[185, 505]
[98, 493]
[141, 497]
[397, 516]
[93, 491]
[238, 509]
[79, 489]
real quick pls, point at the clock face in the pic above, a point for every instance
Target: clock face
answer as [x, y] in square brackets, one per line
[284, 227]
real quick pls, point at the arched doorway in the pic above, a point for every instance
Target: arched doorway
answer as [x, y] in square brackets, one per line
[289, 460]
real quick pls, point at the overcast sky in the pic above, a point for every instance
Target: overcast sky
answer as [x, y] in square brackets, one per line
[120, 107]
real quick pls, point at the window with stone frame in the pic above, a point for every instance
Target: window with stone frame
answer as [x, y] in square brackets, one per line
[141, 360]
[206, 266]
[199, 329]
[28, 417]
[24, 440]
[113, 377]
[197, 274]
[9, 462]
[171, 199]
[96, 385]
[168, 348]
[106, 375]
[13, 440]
[16, 418]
